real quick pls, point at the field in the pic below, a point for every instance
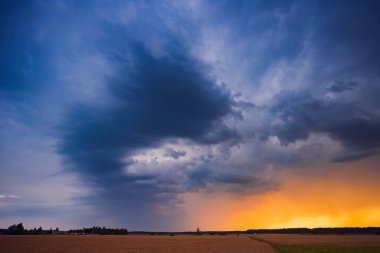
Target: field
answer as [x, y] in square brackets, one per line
[192, 243]
[322, 243]
[133, 243]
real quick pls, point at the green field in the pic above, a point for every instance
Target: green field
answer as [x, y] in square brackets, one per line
[303, 248]
[324, 249]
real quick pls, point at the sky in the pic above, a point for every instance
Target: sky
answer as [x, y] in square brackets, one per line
[173, 115]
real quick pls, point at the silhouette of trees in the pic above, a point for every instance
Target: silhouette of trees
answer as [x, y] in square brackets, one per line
[101, 231]
[16, 229]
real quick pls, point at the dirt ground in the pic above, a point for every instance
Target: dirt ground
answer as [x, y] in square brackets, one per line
[133, 244]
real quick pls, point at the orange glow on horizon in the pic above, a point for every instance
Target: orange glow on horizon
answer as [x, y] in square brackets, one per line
[339, 196]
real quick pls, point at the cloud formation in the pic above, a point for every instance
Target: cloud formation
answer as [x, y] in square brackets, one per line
[151, 100]
[340, 86]
[300, 115]
[175, 153]
[130, 106]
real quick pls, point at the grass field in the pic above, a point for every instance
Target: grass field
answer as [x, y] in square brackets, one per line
[325, 249]
[322, 243]
[132, 244]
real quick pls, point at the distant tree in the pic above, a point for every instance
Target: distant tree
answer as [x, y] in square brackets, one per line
[39, 229]
[20, 227]
[16, 229]
[101, 231]
[56, 229]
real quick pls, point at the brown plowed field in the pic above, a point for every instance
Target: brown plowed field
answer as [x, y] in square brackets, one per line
[132, 244]
[341, 240]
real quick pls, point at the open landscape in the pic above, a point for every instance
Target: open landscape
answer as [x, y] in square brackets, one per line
[191, 243]
[342, 240]
[133, 244]
[293, 243]
[190, 126]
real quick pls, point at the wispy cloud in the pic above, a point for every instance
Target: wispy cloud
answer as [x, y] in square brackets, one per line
[9, 196]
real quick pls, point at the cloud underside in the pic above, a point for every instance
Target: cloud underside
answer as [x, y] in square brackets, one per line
[150, 101]
[160, 95]
[301, 115]
[153, 99]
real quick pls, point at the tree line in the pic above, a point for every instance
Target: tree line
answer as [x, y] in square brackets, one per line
[100, 231]
[18, 229]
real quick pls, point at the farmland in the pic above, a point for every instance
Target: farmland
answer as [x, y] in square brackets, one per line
[341, 240]
[133, 244]
[322, 243]
[191, 243]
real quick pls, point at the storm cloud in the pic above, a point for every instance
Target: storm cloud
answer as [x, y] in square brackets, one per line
[300, 115]
[122, 109]
[153, 99]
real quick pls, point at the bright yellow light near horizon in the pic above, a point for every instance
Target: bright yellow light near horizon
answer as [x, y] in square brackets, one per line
[265, 217]
[344, 199]
[342, 196]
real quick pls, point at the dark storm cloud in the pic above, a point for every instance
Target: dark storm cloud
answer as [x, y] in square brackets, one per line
[233, 179]
[197, 178]
[152, 99]
[169, 97]
[24, 61]
[353, 156]
[302, 115]
[201, 175]
[340, 86]
[347, 32]
[346, 38]
[175, 153]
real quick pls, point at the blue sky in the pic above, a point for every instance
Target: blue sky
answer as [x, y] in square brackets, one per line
[112, 112]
